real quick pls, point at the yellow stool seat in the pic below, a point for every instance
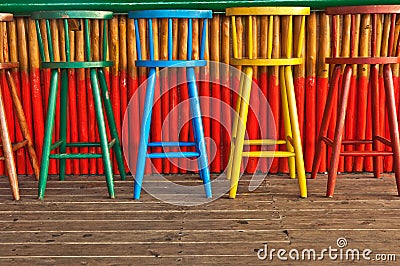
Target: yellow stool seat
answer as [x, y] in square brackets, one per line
[284, 61]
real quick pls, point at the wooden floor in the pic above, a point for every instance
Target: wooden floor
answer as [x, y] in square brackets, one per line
[77, 224]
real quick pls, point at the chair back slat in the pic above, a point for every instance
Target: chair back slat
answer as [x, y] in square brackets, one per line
[2, 26]
[151, 39]
[378, 29]
[172, 16]
[67, 40]
[170, 41]
[87, 40]
[49, 40]
[56, 30]
[279, 23]
[190, 40]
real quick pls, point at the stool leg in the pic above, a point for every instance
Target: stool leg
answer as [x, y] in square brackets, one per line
[112, 126]
[48, 132]
[375, 116]
[325, 121]
[287, 122]
[63, 120]
[393, 124]
[241, 130]
[102, 132]
[198, 131]
[8, 152]
[235, 127]
[301, 172]
[337, 141]
[144, 133]
[23, 124]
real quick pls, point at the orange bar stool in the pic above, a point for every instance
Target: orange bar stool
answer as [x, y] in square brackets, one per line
[285, 62]
[7, 146]
[379, 55]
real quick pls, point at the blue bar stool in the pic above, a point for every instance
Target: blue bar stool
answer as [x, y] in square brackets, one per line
[189, 64]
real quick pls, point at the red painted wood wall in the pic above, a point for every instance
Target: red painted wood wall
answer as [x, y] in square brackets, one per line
[311, 83]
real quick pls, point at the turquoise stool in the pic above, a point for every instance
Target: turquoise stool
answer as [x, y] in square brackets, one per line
[79, 20]
[189, 64]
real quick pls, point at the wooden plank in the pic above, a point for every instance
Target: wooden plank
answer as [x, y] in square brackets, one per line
[137, 215]
[139, 236]
[162, 249]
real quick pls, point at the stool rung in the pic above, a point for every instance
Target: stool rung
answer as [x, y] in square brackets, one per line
[164, 155]
[268, 154]
[366, 153]
[81, 144]
[383, 140]
[75, 155]
[19, 145]
[263, 142]
[171, 144]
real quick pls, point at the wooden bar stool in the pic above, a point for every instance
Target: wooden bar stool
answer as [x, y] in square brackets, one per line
[378, 13]
[294, 151]
[76, 21]
[200, 154]
[7, 146]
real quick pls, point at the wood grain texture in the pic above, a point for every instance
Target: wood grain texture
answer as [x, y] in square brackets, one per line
[56, 231]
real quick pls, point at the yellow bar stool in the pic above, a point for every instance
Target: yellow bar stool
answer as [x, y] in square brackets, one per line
[285, 62]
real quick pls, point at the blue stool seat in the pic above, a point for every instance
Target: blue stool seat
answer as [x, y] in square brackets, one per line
[171, 63]
[200, 154]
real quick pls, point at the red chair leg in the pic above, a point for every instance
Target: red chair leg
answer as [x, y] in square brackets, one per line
[393, 125]
[337, 141]
[375, 117]
[325, 121]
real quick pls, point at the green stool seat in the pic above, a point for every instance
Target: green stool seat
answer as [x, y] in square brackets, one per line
[76, 21]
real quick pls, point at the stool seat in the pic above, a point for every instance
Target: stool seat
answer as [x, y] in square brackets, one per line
[362, 60]
[266, 62]
[171, 63]
[77, 21]
[72, 65]
[170, 13]
[74, 14]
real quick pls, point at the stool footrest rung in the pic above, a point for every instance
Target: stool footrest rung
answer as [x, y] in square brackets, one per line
[269, 154]
[171, 144]
[263, 142]
[19, 145]
[366, 153]
[385, 141]
[58, 143]
[15, 146]
[164, 155]
[75, 155]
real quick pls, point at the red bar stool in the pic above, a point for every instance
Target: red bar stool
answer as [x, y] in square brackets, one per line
[374, 60]
[7, 146]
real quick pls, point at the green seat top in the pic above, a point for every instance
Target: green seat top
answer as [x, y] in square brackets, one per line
[74, 14]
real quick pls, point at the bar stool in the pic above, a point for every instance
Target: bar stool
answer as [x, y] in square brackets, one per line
[294, 151]
[76, 21]
[189, 64]
[374, 61]
[7, 146]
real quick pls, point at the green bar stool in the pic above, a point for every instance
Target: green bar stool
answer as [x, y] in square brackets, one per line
[76, 21]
